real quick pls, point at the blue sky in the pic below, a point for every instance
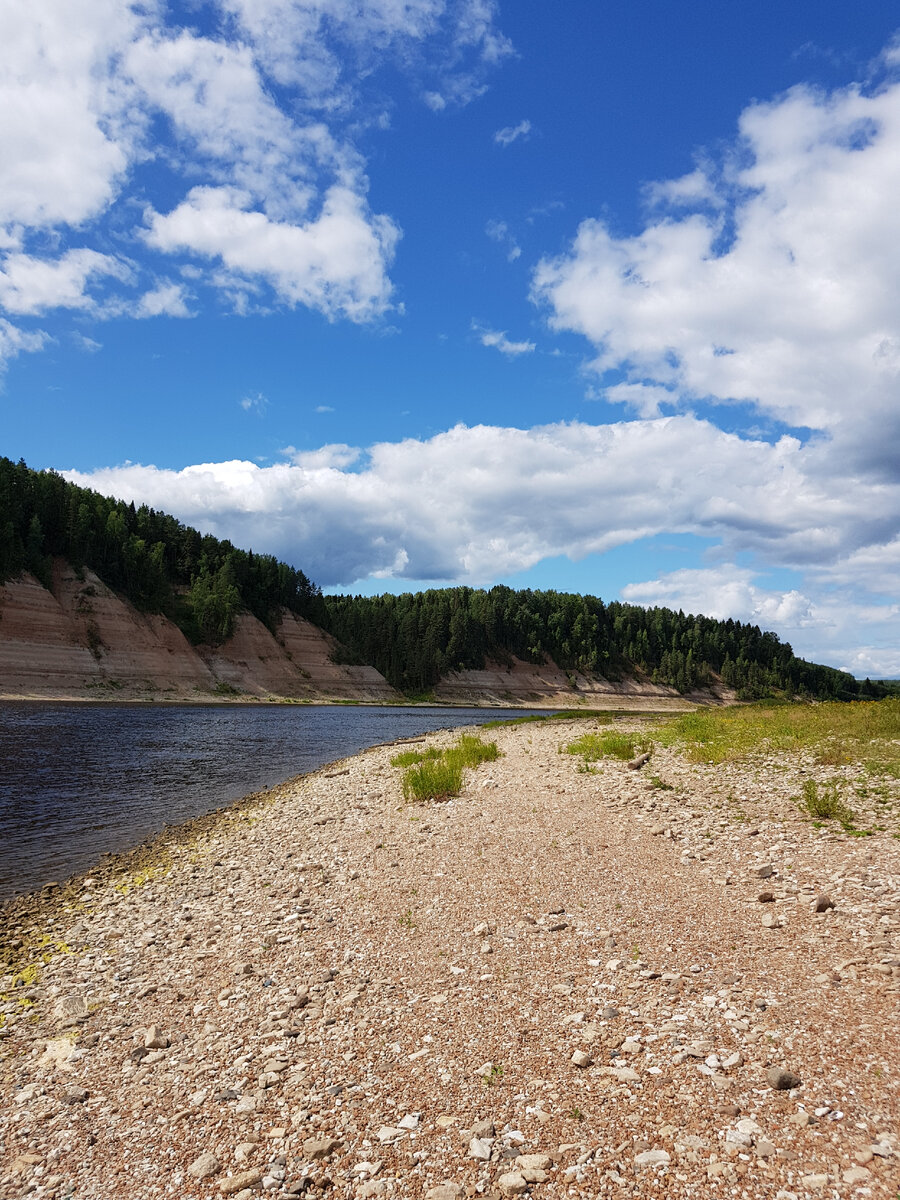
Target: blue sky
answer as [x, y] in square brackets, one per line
[596, 296]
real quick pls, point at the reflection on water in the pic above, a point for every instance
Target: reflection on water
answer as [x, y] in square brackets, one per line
[78, 780]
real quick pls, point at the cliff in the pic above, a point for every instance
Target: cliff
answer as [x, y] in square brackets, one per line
[82, 641]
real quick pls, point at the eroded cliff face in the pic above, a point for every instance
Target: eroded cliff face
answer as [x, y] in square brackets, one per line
[82, 641]
[548, 686]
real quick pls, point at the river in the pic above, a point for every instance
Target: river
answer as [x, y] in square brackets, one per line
[81, 780]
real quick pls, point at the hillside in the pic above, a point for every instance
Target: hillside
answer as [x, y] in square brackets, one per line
[99, 598]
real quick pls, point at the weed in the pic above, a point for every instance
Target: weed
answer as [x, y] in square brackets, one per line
[576, 1114]
[493, 1075]
[406, 919]
[660, 785]
[409, 758]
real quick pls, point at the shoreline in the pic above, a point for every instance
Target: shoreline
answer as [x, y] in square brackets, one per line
[322, 990]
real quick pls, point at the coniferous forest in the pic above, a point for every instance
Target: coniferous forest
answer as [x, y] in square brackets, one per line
[202, 583]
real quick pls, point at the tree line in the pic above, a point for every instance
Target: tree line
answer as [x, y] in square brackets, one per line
[156, 562]
[202, 583]
[415, 639]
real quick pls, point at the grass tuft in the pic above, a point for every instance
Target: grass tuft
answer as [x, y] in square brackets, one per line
[438, 774]
[594, 746]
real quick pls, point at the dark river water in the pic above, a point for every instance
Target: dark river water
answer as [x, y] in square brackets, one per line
[78, 780]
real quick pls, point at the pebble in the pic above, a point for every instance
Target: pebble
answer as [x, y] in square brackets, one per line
[781, 1079]
[204, 1166]
[513, 1183]
[445, 1191]
[581, 1059]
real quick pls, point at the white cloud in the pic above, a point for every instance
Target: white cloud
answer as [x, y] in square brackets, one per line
[643, 399]
[165, 300]
[253, 124]
[499, 231]
[323, 408]
[335, 262]
[789, 298]
[257, 403]
[30, 285]
[15, 341]
[499, 341]
[512, 133]
[475, 504]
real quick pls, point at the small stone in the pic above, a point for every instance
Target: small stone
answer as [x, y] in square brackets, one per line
[70, 1008]
[204, 1166]
[816, 1182]
[856, 1175]
[480, 1149]
[765, 1148]
[445, 1191]
[822, 904]
[237, 1183]
[766, 897]
[513, 1183]
[770, 921]
[318, 1148]
[481, 1129]
[782, 1080]
[764, 872]
[75, 1095]
[534, 1162]
[581, 1059]
[652, 1158]
[155, 1039]
[609, 1013]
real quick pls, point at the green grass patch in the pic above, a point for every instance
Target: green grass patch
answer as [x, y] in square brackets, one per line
[594, 746]
[438, 774]
[861, 729]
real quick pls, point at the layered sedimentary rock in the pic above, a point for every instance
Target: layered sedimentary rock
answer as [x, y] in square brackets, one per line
[83, 641]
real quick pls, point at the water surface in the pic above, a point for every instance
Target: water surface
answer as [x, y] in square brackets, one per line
[80, 780]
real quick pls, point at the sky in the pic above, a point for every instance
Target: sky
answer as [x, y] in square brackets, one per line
[600, 296]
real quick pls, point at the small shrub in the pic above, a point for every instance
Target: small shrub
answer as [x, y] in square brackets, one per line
[825, 805]
[409, 758]
[660, 785]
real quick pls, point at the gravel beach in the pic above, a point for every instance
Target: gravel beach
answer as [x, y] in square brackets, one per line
[655, 982]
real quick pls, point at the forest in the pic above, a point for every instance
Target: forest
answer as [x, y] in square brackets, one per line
[202, 583]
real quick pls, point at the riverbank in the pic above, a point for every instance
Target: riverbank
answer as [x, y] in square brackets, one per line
[560, 982]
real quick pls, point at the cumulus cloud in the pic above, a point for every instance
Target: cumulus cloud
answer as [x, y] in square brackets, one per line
[775, 281]
[499, 341]
[334, 263]
[264, 186]
[511, 133]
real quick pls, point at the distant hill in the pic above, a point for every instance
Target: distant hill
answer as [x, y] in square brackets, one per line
[91, 552]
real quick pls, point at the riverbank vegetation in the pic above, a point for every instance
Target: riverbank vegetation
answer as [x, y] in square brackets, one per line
[833, 733]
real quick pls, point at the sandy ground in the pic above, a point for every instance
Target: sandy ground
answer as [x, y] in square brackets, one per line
[557, 984]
